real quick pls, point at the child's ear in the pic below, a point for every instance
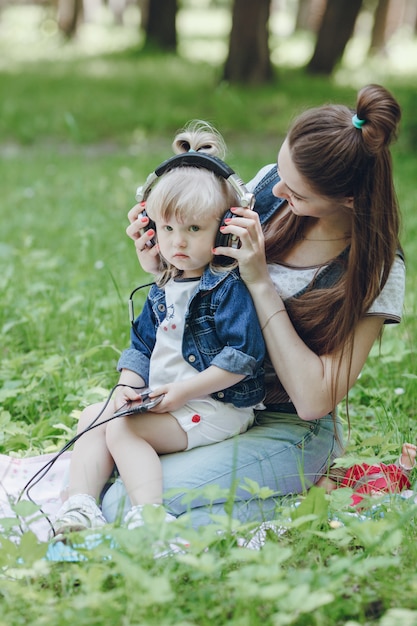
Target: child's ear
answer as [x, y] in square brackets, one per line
[348, 202]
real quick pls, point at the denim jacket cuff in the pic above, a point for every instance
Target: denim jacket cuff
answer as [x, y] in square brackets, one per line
[235, 361]
[135, 361]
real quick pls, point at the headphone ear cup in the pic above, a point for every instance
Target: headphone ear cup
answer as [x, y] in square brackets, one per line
[226, 241]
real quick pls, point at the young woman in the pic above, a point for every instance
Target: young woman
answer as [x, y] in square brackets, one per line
[197, 344]
[321, 258]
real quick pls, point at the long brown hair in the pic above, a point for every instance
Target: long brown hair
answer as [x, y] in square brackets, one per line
[340, 160]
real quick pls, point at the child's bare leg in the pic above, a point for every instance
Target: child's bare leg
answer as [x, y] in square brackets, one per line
[91, 462]
[135, 443]
[90, 467]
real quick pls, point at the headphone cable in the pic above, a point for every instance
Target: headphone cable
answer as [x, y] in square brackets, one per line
[41, 473]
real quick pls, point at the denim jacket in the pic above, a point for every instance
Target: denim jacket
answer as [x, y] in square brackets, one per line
[237, 311]
[221, 329]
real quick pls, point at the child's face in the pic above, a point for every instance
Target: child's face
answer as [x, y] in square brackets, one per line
[187, 245]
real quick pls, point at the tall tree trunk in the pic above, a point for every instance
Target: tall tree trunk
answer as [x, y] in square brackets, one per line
[117, 8]
[159, 23]
[335, 31]
[410, 17]
[249, 59]
[310, 14]
[380, 27]
[68, 15]
[397, 15]
[390, 15]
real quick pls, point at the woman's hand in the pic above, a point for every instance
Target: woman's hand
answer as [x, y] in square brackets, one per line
[147, 254]
[251, 253]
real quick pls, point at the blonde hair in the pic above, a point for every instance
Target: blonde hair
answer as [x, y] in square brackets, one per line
[189, 192]
[200, 136]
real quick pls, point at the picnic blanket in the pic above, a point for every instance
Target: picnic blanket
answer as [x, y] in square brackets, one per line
[15, 474]
[46, 493]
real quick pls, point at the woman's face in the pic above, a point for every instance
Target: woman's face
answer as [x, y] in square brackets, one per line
[301, 198]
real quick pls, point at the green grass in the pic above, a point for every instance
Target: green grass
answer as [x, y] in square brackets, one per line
[77, 135]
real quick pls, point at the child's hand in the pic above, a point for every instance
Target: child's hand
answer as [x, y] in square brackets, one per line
[124, 395]
[129, 389]
[408, 456]
[174, 398]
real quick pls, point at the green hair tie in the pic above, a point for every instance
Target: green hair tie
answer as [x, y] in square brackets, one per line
[357, 122]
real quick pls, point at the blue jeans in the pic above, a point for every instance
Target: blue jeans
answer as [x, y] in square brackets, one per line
[281, 452]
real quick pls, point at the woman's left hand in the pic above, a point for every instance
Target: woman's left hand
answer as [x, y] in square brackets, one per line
[251, 253]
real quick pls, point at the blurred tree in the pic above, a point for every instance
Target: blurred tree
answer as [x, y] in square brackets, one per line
[303, 15]
[248, 60]
[117, 7]
[309, 14]
[379, 28]
[390, 15]
[91, 9]
[411, 15]
[159, 23]
[335, 30]
[69, 13]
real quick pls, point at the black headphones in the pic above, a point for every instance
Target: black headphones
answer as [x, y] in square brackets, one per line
[208, 162]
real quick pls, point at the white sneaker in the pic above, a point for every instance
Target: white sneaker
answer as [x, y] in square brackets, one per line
[174, 546]
[259, 535]
[79, 512]
[134, 516]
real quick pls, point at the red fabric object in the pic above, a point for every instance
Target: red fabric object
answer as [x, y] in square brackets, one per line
[374, 480]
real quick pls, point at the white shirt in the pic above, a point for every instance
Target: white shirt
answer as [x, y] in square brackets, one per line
[167, 363]
[289, 280]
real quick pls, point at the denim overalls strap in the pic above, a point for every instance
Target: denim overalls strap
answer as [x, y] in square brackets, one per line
[266, 204]
[328, 276]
